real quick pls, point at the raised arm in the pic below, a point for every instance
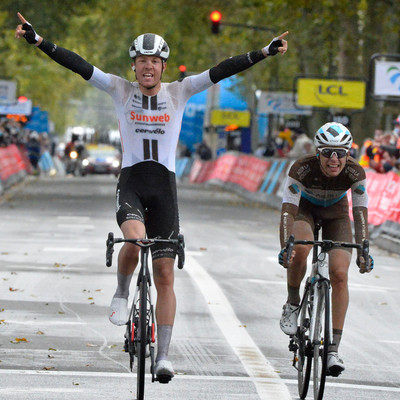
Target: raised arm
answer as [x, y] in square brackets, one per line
[64, 57]
[236, 64]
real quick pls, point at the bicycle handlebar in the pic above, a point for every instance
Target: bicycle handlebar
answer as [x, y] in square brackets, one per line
[327, 245]
[179, 242]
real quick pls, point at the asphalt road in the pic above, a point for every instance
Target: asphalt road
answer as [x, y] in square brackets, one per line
[56, 341]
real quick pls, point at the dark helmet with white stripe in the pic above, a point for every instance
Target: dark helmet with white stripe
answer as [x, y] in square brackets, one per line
[149, 44]
[333, 134]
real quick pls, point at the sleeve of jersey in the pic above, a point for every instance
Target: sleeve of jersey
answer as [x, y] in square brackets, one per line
[292, 191]
[359, 194]
[100, 80]
[67, 59]
[234, 65]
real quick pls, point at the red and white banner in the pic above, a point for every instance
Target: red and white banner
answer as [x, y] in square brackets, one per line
[11, 162]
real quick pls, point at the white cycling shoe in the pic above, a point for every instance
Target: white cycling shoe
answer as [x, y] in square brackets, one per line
[288, 322]
[164, 371]
[118, 311]
[335, 364]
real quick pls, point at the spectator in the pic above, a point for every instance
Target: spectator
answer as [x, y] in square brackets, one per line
[382, 153]
[260, 150]
[284, 141]
[303, 145]
[204, 151]
[34, 151]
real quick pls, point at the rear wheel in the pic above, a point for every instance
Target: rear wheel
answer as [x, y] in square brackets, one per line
[142, 338]
[321, 342]
[304, 355]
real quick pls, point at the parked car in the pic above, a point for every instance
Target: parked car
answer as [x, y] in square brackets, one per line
[101, 159]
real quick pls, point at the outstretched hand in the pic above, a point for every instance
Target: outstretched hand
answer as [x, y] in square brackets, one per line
[25, 30]
[277, 45]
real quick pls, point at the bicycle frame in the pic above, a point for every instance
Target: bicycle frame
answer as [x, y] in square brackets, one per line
[140, 331]
[310, 342]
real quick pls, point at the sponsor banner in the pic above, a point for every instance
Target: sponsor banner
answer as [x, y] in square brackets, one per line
[17, 108]
[230, 117]
[383, 197]
[326, 93]
[387, 78]
[201, 171]
[223, 167]
[249, 172]
[279, 103]
[8, 91]
[10, 163]
[246, 171]
[275, 176]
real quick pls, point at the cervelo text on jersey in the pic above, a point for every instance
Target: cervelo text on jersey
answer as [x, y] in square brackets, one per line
[149, 118]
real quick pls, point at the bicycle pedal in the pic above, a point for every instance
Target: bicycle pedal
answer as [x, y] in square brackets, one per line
[164, 378]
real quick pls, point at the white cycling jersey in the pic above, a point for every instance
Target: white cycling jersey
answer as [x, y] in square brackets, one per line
[149, 126]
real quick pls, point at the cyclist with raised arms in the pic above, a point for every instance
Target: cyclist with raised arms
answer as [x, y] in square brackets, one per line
[316, 189]
[149, 114]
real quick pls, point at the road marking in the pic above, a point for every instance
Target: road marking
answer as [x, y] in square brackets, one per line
[78, 227]
[268, 384]
[128, 375]
[67, 249]
[73, 217]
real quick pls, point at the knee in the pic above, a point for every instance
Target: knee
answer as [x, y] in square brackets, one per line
[130, 252]
[163, 274]
[339, 278]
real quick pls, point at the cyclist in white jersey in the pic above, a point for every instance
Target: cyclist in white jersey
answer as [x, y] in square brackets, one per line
[149, 115]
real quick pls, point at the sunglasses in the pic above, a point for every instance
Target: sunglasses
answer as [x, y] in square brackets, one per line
[328, 152]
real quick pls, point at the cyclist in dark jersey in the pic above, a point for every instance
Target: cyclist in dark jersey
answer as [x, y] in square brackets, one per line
[316, 189]
[149, 115]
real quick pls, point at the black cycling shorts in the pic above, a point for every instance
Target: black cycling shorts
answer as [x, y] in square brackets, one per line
[335, 219]
[146, 192]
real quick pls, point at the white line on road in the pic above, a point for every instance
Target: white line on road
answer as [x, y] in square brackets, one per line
[128, 375]
[75, 226]
[67, 249]
[266, 380]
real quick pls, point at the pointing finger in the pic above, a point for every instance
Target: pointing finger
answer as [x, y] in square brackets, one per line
[283, 35]
[21, 18]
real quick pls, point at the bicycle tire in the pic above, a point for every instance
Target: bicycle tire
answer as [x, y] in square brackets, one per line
[142, 336]
[321, 342]
[304, 354]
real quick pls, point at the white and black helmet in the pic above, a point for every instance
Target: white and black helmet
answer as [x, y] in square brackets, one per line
[149, 44]
[333, 134]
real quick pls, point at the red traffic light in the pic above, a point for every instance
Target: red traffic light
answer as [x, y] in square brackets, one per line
[215, 16]
[182, 68]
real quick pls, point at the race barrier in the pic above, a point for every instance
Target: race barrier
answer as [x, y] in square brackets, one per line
[261, 180]
[243, 170]
[13, 167]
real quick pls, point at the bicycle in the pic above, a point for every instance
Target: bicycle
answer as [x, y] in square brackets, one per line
[314, 332]
[140, 330]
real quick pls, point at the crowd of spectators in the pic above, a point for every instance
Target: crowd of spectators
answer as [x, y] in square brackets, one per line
[289, 143]
[382, 152]
[36, 144]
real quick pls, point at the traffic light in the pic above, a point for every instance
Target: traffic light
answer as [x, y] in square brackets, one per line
[182, 69]
[215, 18]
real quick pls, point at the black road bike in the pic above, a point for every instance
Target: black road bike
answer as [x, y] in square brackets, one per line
[140, 327]
[314, 332]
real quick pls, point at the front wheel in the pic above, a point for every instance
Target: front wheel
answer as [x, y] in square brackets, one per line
[142, 337]
[321, 339]
[304, 355]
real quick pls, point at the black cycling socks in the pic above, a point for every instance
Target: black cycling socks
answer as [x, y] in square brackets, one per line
[293, 296]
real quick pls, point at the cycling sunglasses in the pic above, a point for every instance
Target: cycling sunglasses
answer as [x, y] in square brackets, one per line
[329, 152]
